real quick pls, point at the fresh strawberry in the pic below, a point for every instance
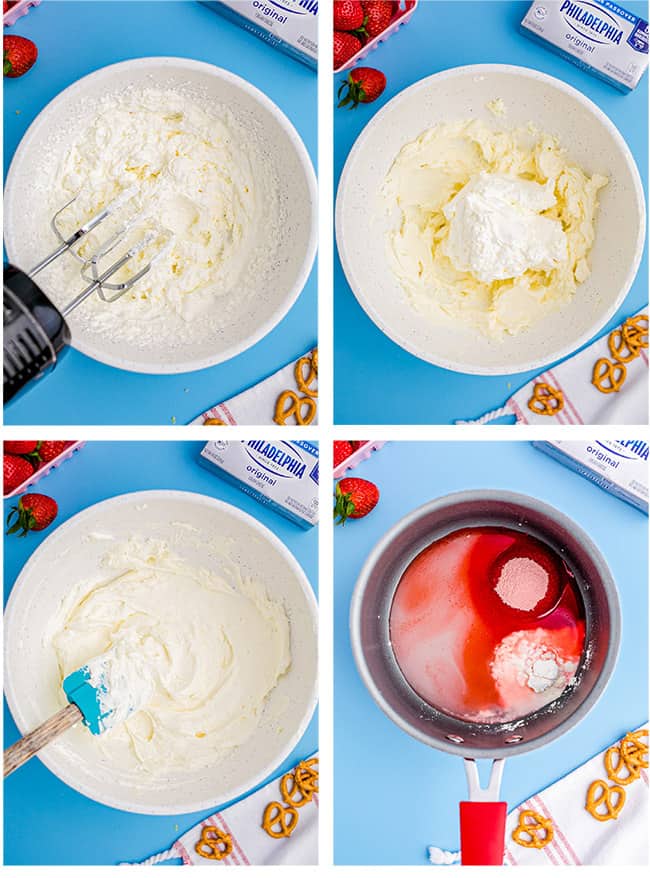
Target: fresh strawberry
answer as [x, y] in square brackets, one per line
[20, 446]
[48, 450]
[378, 14]
[19, 55]
[5, 6]
[363, 85]
[356, 444]
[15, 471]
[355, 498]
[34, 512]
[348, 14]
[345, 46]
[342, 450]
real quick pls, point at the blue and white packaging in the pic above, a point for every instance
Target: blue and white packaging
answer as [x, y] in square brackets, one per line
[620, 466]
[598, 35]
[288, 25]
[282, 475]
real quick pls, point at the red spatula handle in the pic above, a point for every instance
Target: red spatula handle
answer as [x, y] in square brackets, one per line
[482, 833]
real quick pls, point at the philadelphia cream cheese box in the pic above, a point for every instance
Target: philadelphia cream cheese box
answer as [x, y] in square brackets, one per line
[598, 35]
[283, 475]
[288, 25]
[618, 466]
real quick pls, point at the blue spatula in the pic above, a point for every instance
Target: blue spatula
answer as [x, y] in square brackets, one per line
[94, 698]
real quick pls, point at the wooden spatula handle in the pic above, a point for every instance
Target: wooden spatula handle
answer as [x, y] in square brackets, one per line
[22, 750]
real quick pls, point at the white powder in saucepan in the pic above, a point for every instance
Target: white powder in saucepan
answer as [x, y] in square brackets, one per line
[522, 583]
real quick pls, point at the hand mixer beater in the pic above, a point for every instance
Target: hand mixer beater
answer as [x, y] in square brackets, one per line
[35, 330]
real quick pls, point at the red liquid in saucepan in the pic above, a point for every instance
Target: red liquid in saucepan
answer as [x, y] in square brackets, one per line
[487, 624]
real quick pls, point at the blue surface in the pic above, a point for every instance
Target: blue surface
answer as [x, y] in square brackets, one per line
[376, 382]
[76, 38]
[73, 830]
[410, 791]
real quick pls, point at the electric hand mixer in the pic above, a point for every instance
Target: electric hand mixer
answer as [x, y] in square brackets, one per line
[35, 330]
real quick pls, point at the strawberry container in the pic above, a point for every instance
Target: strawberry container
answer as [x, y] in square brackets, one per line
[15, 12]
[405, 9]
[363, 452]
[45, 469]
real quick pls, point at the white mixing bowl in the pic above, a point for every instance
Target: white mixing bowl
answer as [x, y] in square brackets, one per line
[255, 310]
[68, 556]
[592, 142]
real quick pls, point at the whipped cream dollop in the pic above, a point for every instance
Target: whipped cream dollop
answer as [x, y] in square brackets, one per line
[202, 654]
[497, 230]
[489, 228]
[192, 176]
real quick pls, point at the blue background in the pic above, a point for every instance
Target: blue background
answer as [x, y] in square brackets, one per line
[75, 38]
[407, 796]
[376, 382]
[71, 829]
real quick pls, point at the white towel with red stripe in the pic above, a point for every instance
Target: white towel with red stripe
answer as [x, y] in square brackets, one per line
[583, 402]
[578, 838]
[251, 844]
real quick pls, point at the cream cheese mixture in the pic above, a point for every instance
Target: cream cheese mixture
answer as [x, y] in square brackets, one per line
[201, 653]
[194, 177]
[492, 228]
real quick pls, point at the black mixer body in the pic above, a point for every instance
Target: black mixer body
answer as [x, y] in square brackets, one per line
[35, 333]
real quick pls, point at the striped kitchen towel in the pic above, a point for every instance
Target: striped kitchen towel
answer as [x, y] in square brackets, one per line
[578, 838]
[247, 842]
[583, 402]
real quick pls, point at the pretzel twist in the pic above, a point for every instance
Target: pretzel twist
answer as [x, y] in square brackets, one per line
[533, 830]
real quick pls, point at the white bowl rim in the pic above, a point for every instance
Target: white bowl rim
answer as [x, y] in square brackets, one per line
[565, 350]
[194, 365]
[24, 578]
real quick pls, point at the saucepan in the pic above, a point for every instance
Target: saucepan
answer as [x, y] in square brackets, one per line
[482, 817]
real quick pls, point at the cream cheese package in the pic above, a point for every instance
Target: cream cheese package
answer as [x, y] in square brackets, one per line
[620, 466]
[282, 475]
[597, 35]
[288, 25]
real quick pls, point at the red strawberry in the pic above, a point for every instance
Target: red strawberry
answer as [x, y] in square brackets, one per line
[34, 512]
[342, 450]
[357, 444]
[363, 85]
[47, 451]
[5, 6]
[378, 16]
[354, 499]
[345, 46]
[348, 14]
[16, 470]
[19, 55]
[20, 446]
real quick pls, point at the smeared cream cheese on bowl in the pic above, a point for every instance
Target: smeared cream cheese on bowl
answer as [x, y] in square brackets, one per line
[201, 653]
[494, 227]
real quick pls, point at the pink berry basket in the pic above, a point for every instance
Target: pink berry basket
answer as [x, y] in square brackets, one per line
[21, 8]
[405, 9]
[362, 453]
[43, 471]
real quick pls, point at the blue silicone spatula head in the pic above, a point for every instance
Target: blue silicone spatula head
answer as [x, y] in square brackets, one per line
[106, 692]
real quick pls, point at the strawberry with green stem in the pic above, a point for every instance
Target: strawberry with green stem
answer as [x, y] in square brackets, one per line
[362, 86]
[34, 512]
[355, 498]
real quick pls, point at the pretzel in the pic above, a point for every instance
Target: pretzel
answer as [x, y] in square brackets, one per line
[289, 786]
[314, 359]
[533, 830]
[285, 817]
[634, 750]
[295, 408]
[636, 329]
[546, 400]
[214, 422]
[618, 769]
[600, 794]
[304, 382]
[306, 775]
[218, 844]
[623, 347]
[608, 377]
